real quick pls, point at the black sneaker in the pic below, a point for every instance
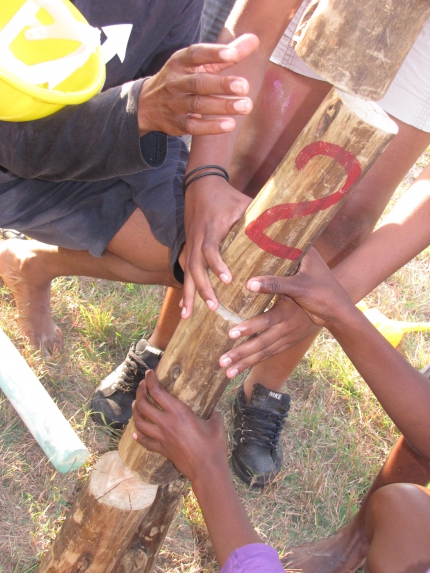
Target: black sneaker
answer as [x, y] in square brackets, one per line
[112, 400]
[257, 456]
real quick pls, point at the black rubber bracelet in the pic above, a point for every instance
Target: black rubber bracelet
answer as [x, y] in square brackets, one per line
[197, 169]
[185, 185]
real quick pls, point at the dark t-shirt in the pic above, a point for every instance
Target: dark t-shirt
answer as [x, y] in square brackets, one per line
[100, 138]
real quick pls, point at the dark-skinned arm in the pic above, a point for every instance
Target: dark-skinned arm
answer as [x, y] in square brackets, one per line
[403, 392]
[212, 206]
[404, 233]
[198, 449]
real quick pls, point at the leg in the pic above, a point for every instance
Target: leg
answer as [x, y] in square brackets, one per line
[398, 529]
[28, 267]
[168, 319]
[287, 101]
[344, 551]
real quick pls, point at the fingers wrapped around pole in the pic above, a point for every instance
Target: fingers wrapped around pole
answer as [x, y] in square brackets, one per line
[340, 143]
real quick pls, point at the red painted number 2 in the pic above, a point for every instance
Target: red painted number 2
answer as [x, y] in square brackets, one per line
[255, 229]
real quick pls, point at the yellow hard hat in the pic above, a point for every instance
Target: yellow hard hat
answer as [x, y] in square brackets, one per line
[50, 57]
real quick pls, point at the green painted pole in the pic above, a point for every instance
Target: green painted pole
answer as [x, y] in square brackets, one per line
[38, 411]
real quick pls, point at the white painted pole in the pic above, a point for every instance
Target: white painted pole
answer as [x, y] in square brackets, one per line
[38, 411]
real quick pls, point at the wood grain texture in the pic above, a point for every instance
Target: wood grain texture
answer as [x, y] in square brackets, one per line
[189, 368]
[340, 143]
[142, 553]
[359, 46]
[102, 522]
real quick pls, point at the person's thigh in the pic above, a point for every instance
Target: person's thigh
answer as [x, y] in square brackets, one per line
[360, 213]
[285, 104]
[139, 216]
[398, 529]
[76, 215]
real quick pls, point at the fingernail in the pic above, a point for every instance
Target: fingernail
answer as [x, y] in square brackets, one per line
[242, 105]
[238, 87]
[225, 278]
[234, 333]
[226, 361]
[227, 54]
[227, 124]
[254, 286]
[232, 373]
[134, 435]
[183, 311]
[211, 304]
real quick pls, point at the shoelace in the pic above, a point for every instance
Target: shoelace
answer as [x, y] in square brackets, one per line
[261, 426]
[133, 372]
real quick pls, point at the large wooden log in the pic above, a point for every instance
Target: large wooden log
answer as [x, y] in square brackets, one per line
[359, 46]
[339, 144]
[109, 510]
[144, 547]
[336, 148]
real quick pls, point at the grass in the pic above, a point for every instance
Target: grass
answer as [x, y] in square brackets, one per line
[336, 440]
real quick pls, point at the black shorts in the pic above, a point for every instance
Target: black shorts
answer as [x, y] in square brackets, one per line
[83, 215]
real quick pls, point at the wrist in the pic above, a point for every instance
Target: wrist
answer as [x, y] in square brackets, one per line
[201, 172]
[347, 319]
[143, 118]
[212, 470]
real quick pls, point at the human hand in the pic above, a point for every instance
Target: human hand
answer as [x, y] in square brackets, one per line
[190, 87]
[175, 432]
[314, 288]
[283, 326]
[212, 206]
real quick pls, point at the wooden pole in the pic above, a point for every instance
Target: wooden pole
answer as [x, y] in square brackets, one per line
[340, 143]
[144, 547]
[359, 46]
[109, 510]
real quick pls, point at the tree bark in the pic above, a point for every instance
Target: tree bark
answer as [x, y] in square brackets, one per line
[342, 140]
[336, 148]
[103, 520]
[359, 46]
[149, 537]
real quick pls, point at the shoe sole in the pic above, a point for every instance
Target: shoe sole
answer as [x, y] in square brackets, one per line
[243, 476]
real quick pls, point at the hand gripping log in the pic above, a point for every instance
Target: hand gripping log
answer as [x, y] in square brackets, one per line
[122, 515]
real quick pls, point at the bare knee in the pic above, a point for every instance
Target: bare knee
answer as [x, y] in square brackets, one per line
[392, 502]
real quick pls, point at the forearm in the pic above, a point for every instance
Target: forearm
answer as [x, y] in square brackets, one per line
[404, 234]
[227, 522]
[96, 140]
[402, 391]
[267, 21]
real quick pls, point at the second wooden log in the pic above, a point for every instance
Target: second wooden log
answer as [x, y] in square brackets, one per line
[359, 46]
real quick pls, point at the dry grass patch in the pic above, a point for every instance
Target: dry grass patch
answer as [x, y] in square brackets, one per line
[337, 435]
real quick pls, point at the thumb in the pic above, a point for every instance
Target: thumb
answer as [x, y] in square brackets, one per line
[216, 421]
[244, 45]
[275, 285]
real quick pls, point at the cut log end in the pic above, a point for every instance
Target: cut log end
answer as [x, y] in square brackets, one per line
[369, 112]
[114, 484]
